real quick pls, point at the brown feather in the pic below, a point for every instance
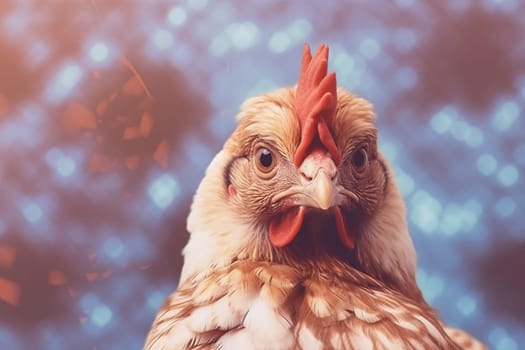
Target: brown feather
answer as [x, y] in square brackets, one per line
[341, 307]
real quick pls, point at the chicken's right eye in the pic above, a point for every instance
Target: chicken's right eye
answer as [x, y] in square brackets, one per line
[359, 158]
[265, 160]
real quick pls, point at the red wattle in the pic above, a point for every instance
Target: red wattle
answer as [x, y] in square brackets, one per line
[344, 235]
[285, 227]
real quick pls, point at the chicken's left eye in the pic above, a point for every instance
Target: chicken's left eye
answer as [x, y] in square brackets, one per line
[265, 161]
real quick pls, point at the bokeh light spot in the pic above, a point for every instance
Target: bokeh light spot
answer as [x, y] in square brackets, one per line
[452, 219]
[425, 211]
[506, 114]
[101, 315]
[300, 29]
[404, 3]
[505, 5]
[508, 175]
[113, 247]
[99, 52]
[441, 122]
[32, 212]
[243, 35]
[197, 4]
[434, 287]
[163, 190]
[177, 16]
[501, 340]
[389, 149]
[63, 165]
[431, 286]
[279, 42]
[460, 129]
[155, 299]
[219, 45]
[470, 212]
[473, 206]
[406, 183]
[466, 305]
[505, 206]
[369, 48]
[162, 39]
[474, 137]
[63, 82]
[486, 164]
[507, 343]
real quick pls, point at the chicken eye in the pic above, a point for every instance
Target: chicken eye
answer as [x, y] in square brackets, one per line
[265, 160]
[359, 158]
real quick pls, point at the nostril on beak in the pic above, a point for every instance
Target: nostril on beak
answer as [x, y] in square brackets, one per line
[330, 174]
[306, 177]
[318, 161]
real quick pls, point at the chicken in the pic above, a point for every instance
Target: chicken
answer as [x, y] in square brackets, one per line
[298, 237]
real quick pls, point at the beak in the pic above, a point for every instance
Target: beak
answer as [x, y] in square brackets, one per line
[321, 190]
[318, 176]
[317, 188]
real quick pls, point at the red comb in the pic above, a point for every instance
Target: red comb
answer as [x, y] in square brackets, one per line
[315, 103]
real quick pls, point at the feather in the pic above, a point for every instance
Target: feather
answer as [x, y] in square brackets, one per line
[284, 307]
[464, 340]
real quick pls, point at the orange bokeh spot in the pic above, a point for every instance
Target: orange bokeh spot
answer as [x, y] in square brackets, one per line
[9, 291]
[56, 278]
[7, 256]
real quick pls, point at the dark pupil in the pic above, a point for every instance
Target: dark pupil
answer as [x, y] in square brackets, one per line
[359, 158]
[266, 158]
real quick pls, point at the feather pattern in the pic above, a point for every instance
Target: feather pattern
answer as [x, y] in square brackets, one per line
[464, 340]
[258, 305]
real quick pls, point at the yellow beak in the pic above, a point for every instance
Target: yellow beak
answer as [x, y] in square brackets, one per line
[321, 190]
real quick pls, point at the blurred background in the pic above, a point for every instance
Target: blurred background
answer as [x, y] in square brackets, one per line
[111, 110]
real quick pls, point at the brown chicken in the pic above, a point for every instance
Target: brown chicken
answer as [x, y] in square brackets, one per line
[298, 235]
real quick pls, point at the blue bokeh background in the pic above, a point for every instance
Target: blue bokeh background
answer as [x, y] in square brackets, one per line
[110, 112]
